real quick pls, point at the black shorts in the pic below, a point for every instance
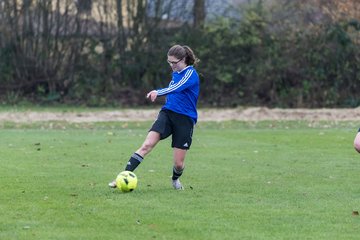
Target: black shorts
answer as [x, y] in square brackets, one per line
[180, 126]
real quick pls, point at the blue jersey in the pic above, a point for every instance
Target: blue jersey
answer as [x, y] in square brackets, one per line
[182, 93]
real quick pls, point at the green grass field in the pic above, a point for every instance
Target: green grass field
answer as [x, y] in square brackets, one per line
[267, 180]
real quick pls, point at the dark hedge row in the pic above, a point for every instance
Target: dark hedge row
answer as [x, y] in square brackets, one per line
[252, 59]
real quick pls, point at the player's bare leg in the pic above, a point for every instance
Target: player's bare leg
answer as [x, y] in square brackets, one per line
[150, 142]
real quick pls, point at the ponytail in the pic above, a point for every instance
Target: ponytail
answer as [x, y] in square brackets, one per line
[191, 59]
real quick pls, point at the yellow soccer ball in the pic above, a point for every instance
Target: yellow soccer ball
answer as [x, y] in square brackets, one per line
[126, 181]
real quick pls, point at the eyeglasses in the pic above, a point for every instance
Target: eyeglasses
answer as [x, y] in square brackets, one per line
[174, 62]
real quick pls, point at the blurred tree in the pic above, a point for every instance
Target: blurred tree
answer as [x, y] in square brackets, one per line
[199, 13]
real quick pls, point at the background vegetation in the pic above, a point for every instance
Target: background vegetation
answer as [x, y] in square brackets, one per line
[276, 53]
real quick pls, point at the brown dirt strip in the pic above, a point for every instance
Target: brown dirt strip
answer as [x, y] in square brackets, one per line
[240, 114]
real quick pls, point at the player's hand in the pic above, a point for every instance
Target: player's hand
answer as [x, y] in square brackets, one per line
[152, 95]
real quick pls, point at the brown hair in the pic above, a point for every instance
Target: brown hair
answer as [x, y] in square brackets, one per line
[181, 52]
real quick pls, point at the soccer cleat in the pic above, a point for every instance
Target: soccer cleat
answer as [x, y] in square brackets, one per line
[112, 184]
[177, 184]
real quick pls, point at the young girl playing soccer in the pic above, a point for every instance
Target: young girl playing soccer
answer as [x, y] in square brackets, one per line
[177, 116]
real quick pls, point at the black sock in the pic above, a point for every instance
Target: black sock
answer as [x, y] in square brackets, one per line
[133, 162]
[177, 173]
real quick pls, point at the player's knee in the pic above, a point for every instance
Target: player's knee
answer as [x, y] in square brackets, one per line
[179, 165]
[357, 146]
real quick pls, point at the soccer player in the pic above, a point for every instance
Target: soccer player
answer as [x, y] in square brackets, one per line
[357, 141]
[177, 116]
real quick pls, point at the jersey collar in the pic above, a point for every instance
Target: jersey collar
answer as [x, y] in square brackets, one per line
[184, 69]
